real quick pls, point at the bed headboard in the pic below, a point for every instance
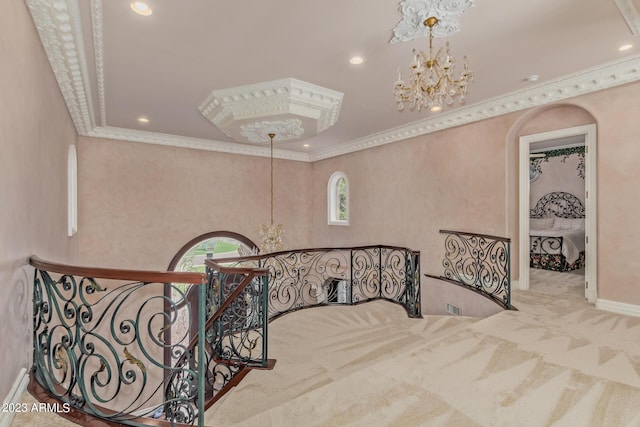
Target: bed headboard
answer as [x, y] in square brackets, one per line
[558, 203]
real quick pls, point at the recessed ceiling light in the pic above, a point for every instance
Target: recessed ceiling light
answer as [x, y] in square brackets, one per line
[306, 145]
[143, 120]
[531, 78]
[356, 60]
[625, 47]
[436, 108]
[141, 8]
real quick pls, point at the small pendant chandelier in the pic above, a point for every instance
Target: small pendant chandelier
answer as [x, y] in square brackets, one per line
[270, 234]
[431, 83]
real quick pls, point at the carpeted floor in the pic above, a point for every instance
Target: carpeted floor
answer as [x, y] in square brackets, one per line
[556, 362]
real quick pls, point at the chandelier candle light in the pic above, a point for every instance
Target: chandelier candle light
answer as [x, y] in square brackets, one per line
[431, 84]
[270, 234]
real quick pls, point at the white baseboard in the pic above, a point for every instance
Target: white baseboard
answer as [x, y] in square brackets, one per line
[618, 307]
[14, 396]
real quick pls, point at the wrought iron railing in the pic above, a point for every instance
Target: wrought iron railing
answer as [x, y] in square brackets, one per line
[235, 338]
[102, 336]
[480, 262]
[99, 340]
[313, 277]
[126, 346]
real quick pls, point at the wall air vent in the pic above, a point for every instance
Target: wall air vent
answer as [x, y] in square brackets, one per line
[452, 309]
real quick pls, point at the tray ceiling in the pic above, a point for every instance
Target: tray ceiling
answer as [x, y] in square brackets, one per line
[114, 66]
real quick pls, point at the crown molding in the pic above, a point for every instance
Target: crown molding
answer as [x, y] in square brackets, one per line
[122, 134]
[98, 49]
[630, 14]
[594, 79]
[58, 24]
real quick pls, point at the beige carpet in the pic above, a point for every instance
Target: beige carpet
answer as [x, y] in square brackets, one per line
[556, 362]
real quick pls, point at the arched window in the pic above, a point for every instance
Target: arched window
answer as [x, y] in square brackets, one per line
[184, 301]
[72, 191]
[338, 199]
[217, 244]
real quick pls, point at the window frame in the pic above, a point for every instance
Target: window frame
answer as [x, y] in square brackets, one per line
[72, 191]
[333, 200]
[222, 235]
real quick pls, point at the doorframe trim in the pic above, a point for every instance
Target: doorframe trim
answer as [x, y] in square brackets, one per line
[590, 185]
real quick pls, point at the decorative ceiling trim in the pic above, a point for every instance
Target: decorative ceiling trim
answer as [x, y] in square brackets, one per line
[58, 24]
[98, 48]
[229, 108]
[122, 134]
[284, 129]
[415, 12]
[630, 14]
[598, 78]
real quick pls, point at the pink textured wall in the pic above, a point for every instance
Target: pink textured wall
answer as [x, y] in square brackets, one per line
[466, 178]
[140, 203]
[35, 132]
[618, 191]
[404, 193]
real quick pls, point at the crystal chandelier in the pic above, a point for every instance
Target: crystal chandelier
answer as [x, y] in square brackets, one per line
[271, 234]
[431, 81]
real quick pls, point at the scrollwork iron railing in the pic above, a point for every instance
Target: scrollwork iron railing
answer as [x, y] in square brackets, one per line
[235, 335]
[105, 340]
[479, 261]
[127, 346]
[313, 277]
[99, 341]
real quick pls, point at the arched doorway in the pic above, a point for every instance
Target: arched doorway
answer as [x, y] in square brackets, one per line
[589, 135]
[539, 126]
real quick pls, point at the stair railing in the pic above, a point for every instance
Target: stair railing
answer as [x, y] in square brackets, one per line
[233, 337]
[99, 342]
[102, 336]
[305, 278]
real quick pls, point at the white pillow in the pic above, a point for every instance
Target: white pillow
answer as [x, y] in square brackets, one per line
[568, 223]
[540, 223]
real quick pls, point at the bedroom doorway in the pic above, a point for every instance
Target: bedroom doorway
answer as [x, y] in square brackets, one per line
[588, 134]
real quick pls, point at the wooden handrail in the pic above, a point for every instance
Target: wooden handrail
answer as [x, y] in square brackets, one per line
[234, 270]
[120, 274]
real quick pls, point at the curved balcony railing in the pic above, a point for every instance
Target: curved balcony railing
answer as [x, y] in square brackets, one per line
[312, 277]
[102, 337]
[480, 262]
[158, 348]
